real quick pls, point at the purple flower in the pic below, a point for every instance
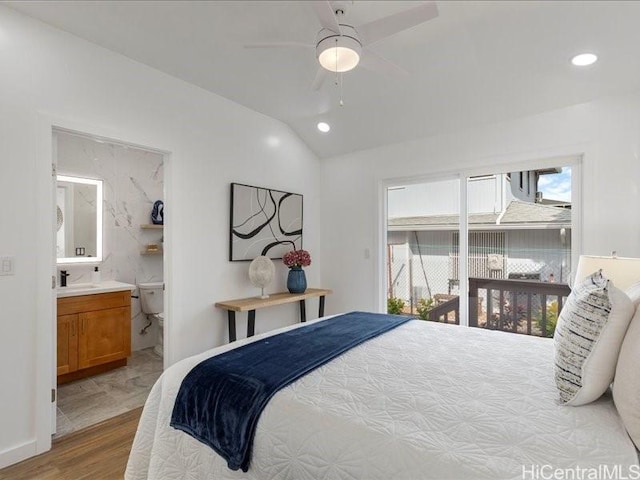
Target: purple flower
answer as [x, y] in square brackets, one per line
[297, 258]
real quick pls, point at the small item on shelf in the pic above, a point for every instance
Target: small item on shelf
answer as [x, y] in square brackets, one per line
[153, 247]
[157, 214]
[95, 276]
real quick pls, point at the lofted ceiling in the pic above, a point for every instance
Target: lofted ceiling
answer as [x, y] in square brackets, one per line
[476, 63]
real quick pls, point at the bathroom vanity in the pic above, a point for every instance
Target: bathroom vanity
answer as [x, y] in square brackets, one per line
[94, 329]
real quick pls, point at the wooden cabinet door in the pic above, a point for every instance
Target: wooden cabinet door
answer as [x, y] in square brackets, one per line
[67, 347]
[105, 336]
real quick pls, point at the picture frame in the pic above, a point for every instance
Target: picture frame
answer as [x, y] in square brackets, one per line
[263, 221]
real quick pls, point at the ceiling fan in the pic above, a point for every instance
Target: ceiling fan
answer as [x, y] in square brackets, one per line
[341, 47]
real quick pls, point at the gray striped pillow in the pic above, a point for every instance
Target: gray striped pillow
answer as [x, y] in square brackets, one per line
[588, 337]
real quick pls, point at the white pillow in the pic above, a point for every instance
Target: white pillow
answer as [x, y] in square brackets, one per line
[588, 336]
[633, 292]
[626, 386]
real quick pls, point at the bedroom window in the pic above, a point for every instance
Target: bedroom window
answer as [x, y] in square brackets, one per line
[517, 256]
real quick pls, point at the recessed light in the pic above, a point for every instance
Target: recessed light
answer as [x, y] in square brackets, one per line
[584, 59]
[324, 127]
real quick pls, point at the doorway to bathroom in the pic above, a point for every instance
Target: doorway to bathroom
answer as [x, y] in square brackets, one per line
[130, 232]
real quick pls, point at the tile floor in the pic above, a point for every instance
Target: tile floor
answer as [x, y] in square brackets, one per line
[91, 400]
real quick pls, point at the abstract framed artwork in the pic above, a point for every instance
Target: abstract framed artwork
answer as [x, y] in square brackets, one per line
[264, 221]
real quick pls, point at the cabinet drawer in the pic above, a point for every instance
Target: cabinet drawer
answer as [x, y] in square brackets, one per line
[90, 303]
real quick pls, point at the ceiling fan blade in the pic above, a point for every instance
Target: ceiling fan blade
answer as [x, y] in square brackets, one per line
[321, 76]
[385, 27]
[326, 15]
[372, 61]
[279, 45]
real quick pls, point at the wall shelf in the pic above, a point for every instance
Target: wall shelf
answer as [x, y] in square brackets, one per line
[151, 226]
[153, 252]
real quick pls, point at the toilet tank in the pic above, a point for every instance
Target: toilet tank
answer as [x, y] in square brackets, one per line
[151, 297]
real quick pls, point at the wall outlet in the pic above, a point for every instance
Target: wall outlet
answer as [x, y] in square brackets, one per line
[6, 265]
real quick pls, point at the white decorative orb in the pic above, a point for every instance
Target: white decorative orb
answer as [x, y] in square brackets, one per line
[261, 271]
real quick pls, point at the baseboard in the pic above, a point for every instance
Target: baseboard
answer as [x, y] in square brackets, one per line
[17, 454]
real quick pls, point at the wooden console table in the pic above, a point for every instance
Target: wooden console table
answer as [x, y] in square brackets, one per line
[253, 303]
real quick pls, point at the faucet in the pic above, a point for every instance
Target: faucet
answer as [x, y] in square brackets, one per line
[63, 278]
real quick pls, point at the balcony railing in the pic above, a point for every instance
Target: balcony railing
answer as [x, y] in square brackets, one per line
[447, 312]
[521, 306]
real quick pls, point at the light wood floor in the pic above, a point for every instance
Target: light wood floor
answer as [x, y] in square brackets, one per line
[99, 452]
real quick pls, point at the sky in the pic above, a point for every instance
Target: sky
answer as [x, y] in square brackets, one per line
[556, 186]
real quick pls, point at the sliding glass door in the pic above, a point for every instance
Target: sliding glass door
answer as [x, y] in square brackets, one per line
[422, 249]
[512, 270]
[519, 254]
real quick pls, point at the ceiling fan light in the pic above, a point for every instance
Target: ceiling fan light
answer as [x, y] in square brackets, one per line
[584, 59]
[339, 53]
[339, 59]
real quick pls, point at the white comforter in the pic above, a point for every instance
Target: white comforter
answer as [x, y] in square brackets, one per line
[424, 401]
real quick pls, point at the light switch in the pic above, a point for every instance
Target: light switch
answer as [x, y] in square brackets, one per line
[6, 265]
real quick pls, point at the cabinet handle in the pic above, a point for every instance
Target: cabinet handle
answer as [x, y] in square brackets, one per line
[73, 329]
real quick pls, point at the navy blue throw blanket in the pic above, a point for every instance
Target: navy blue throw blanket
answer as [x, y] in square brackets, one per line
[221, 399]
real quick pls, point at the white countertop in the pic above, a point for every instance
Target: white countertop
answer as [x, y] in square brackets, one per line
[77, 289]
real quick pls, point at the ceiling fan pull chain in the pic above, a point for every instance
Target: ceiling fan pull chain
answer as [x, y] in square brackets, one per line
[336, 64]
[339, 77]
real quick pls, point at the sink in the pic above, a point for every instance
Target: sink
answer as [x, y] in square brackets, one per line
[79, 286]
[77, 289]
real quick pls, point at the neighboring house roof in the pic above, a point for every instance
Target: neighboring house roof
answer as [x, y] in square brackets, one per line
[516, 215]
[443, 220]
[523, 212]
[555, 203]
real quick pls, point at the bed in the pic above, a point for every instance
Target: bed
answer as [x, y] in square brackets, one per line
[423, 401]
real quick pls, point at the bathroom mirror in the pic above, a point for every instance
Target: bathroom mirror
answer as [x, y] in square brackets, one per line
[78, 220]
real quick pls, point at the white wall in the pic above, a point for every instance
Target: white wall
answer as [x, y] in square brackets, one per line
[606, 131]
[212, 141]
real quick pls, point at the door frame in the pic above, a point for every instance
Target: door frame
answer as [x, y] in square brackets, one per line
[573, 156]
[45, 290]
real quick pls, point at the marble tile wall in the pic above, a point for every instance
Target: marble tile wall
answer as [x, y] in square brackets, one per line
[133, 181]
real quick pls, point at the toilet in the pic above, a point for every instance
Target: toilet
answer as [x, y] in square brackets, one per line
[152, 304]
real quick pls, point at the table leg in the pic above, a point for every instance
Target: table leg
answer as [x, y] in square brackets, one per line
[232, 325]
[251, 323]
[321, 307]
[303, 311]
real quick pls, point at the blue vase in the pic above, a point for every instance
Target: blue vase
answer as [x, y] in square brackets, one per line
[296, 281]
